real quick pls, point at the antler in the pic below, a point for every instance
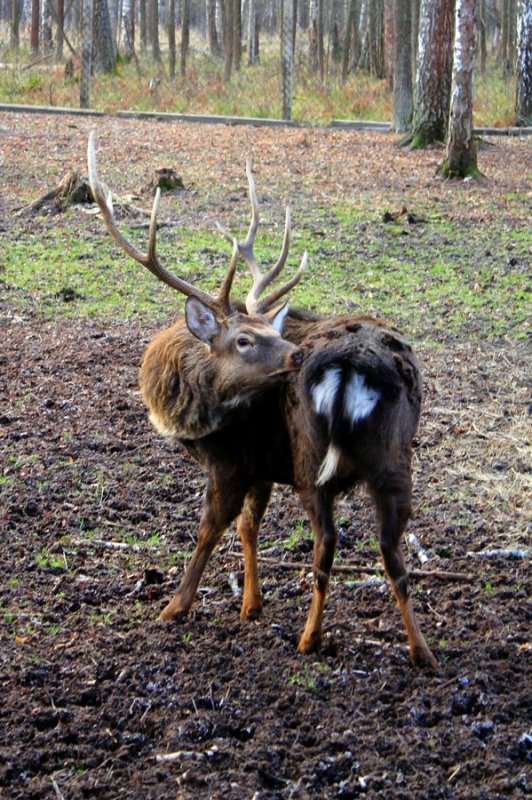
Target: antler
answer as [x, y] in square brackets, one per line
[220, 304]
[261, 281]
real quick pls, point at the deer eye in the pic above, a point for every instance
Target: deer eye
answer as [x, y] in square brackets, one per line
[243, 342]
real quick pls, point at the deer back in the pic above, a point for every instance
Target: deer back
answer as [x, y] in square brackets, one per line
[353, 410]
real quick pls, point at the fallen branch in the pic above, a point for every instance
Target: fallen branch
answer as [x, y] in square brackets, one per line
[349, 567]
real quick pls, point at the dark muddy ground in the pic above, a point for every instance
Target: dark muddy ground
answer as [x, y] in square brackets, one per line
[98, 516]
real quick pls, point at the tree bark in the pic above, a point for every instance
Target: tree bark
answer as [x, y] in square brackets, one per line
[143, 25]
[287, 57]
[252, 33]
[153, 28]
[212, 30]
[185, 35]
[60, 34]
[461, 152]
[236, 33]
[171, 40]
[35, 25]
[375, 18]
[350, 35]
[313, 35]
[389, 40]
[402, 66]
[104, 51]
[86, 54]
[434, 74]
[523, 104]
[14, 34]
[227, 15]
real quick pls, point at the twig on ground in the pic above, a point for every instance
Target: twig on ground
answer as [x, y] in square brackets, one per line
[506, 552]
[350, 567]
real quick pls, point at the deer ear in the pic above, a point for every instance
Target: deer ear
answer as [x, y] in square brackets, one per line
[276, 317]
[201, 320]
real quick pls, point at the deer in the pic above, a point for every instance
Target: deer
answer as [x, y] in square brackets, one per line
[260, 394]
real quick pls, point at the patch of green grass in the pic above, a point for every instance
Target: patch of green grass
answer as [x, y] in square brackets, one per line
[440, 277]
[300, 532]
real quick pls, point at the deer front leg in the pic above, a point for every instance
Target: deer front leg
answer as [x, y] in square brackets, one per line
[319, 510]
[223, 502]
[248, 525]
[394, 512]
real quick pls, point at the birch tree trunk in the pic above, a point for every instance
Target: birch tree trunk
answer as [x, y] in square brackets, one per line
[434, 74]
[523, 104]
[461, 152]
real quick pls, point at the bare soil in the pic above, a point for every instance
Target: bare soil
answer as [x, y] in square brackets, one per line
[98, 516]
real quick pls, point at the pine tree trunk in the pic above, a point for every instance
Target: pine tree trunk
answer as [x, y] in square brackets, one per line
[313, 35]
[86, 52]
[171, 40]
[227, 14]
[59, 36]
[434, 74]
[523, 105]
[212, 30]
[287, 57]
[350, 32]
[143, 20]
[252, 33]
[461, 152]
[35, 25]
[102, 37]
[14, 36]
[153, 28]
[402, 66]
[185, 36]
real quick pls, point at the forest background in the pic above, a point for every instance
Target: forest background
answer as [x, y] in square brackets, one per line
[311, 61]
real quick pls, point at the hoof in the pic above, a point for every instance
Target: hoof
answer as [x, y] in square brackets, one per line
[423, 658]
[173, 612]
[309, 644]
[251, 614]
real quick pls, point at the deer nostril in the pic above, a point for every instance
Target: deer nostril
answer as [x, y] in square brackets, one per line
[297, 358]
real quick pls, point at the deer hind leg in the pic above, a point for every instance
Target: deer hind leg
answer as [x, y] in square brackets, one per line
[319, 510]
[222, 504]
[394, 510]
[248, 525]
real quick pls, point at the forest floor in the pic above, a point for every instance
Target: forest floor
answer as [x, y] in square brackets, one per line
[98, 514]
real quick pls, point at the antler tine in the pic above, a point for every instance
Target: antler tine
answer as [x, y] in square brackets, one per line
[254, 305]
[150, 259]
[268, 301]
[223, 297]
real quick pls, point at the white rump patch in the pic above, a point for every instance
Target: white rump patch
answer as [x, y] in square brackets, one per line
[359, 398]
[329, 465]
[324, 393]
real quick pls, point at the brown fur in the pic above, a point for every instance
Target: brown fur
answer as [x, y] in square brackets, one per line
[252, 435]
